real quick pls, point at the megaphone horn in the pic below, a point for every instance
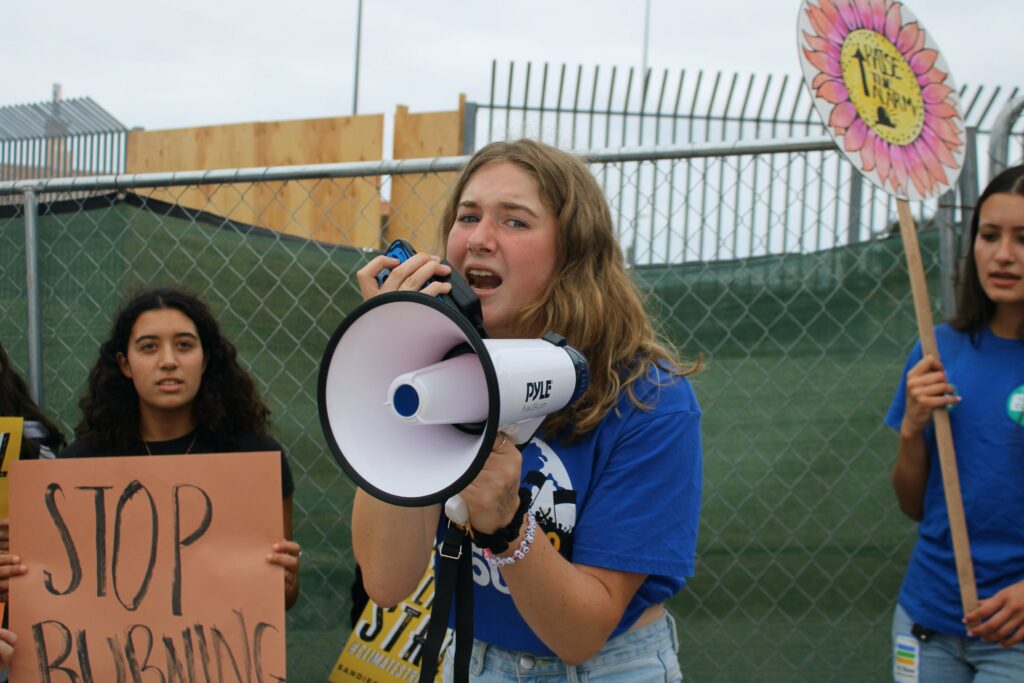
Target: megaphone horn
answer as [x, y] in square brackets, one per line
[411, 397]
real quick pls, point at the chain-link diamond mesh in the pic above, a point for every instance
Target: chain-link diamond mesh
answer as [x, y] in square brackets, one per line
[746, 259]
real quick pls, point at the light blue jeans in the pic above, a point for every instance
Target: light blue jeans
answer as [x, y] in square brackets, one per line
[946, 659]
[646, 655]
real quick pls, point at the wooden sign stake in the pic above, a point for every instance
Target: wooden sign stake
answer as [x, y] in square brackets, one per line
[940, 416]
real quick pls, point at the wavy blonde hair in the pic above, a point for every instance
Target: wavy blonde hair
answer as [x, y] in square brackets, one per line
[590, 299]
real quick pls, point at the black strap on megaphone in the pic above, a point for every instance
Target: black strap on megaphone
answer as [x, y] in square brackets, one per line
[455, 573]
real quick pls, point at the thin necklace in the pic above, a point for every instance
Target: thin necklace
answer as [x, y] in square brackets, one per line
[187, 450]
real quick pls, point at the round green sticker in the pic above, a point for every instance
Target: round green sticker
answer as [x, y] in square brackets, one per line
[1015, 405]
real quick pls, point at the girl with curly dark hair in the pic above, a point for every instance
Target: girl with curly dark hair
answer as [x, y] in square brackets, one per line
[42, 437]
[167, 382]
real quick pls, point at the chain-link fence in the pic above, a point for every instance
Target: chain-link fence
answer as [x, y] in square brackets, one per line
[801, 545]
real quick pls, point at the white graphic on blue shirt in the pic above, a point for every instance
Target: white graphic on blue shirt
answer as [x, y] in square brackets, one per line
[554, 498]
[553, 506]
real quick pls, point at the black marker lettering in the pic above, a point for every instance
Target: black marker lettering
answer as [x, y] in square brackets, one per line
[69, 545]
[130, 491]
[101, 536]
[180, 542]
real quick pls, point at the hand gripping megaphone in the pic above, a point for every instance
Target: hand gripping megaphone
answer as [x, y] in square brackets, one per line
[411, 396]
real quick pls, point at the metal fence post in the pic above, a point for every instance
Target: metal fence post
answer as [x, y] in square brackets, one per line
[970, 176]
[853, 215]
[999, 142]
[33, 300]
[947, 252]
[469, 127]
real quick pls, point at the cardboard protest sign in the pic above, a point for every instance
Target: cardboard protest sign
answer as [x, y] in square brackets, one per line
[148, 568]
[10, 450]
[386, 645]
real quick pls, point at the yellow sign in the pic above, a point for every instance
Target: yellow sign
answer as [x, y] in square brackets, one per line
[10, 450]
[882, 87]
[386, 645]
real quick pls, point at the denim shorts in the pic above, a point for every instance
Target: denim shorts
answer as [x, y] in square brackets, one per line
[948, 659]
[645, 655]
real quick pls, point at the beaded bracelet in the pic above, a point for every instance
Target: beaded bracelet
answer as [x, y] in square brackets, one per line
[520, 552]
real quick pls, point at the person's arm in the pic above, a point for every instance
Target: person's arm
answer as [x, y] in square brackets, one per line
[392, 545]
[572, 608]
[546, 587]
[286, 554]
[927, 389]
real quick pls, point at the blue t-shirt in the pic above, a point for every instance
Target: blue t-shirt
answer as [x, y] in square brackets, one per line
[625, 497]
[988, 437]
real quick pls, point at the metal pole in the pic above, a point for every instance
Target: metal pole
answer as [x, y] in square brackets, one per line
[999, 140]
[35, 328]
[359, 35]
[853, 213]
[643, 59]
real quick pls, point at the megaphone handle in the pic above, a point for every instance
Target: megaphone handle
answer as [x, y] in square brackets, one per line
[456, 510]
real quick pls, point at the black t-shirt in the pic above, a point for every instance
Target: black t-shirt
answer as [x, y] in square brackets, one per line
[204, 443]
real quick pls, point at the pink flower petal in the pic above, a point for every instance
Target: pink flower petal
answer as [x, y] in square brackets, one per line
[824, 26]
[818, 20]
[893, 21]
[899, 168]
[938, 148]
[816, 43]
[877, 12]
[943, 110]
[824, 63]
[933, 76]
[924, 152]
[860, 13]
[882, 158]
[907, 37]
[919, 42]
[843, 115]
[867, 154]
[935, 92]
[819, 80]
[918, 172]
[849, 17]
[834, 92]
[922, 62]
[856, 134]
[945, 129]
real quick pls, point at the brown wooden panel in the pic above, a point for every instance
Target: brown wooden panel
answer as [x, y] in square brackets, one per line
[418, 200]
[342, 211]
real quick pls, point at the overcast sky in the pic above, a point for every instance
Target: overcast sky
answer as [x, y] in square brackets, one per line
[198, 62]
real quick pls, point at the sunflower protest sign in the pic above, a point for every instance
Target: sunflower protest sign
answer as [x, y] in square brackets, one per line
[886, 96]
[883, 89]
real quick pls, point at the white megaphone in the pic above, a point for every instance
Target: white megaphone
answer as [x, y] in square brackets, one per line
[411, 397]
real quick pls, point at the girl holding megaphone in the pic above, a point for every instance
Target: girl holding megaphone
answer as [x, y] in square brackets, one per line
[596, 516]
